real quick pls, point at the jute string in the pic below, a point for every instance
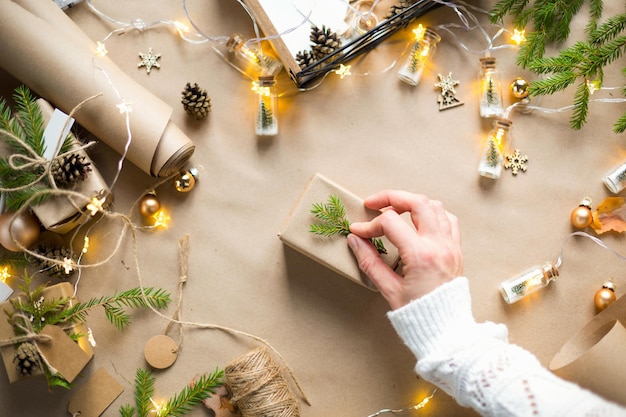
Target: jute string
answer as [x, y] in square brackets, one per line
[183, 254]
[258, 387]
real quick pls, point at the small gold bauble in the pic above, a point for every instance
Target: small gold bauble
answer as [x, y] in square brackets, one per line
[605, 296]
[149, 205]
[23, 228]
[581, 216]
[185, 181]
[519, 88]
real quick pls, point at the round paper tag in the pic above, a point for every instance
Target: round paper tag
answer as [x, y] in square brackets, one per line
[160, 351]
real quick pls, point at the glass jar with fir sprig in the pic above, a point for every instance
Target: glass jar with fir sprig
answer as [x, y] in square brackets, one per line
[423, 49]
[491, 161]
[266, 107]
[490, 85]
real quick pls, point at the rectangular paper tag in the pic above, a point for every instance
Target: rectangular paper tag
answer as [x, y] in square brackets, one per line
[63, 353]
[56, 131]
[93, 398]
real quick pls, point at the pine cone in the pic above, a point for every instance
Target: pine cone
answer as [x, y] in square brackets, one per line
[304, 59]
[48, 266]
[325, 41]
[398, 8]
[70, 168]
[27, 359]
[196, 101]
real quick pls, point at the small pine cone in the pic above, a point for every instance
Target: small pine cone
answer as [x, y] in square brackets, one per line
[48, 266]
[325, 41]
[27, 358]
[70, 168]
[398, 8]
[304, 59]
[196, 101]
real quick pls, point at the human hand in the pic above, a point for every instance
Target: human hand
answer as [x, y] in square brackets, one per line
[431, 253]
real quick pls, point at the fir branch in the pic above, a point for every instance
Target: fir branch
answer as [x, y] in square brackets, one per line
[144, 390]
[127, 410]
[581, 106]
[113, 305]
[194, 393]
[556, 82]
[334, 221]
[30, 118]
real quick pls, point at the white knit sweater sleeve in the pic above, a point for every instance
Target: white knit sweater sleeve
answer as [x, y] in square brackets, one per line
[474, 363]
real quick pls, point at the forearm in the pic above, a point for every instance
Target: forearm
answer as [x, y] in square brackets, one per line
[475, 364]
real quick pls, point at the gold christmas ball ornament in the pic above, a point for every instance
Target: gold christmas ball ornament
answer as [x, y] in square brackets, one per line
[185, 181]
[581, 216]
[519, 88]
[23, 229]
[605, 296]
[149, 205]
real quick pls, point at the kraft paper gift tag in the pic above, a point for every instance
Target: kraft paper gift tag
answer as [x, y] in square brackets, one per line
[63, 353]
[74, 73]
[93, 398]
[332, 252]
[595, 357]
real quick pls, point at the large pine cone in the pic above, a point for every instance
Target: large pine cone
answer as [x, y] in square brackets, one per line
[196, 101]
[70, 168]
[27, 359]
[48, 266]
[325, 41]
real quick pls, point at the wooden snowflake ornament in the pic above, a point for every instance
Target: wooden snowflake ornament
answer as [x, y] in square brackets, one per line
[515, 162]
[149, 60]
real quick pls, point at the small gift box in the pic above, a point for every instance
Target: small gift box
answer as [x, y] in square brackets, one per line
[332, 252]
[62, 213]
[59, 351]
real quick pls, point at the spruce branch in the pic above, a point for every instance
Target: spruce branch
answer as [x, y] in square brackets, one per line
[114, 305]
[144, 390]
[332, 215]
[194, 393]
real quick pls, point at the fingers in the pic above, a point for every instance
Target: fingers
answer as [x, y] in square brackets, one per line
[372, 265]
[390, 224]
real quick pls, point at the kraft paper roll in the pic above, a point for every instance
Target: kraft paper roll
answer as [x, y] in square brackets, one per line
[595, 357]
[44, 49]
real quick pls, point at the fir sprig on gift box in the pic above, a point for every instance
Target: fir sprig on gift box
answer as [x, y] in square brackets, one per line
[583, 62]
[179, 405]
[33, 310]
[24, 171]
[334, 221]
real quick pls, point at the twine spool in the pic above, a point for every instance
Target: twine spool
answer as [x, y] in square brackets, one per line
[258, 387]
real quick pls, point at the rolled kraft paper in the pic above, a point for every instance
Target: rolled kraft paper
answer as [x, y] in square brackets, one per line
[595, 358]
[63, 68]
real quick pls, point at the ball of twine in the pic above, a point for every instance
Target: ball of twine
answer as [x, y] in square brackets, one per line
[258, 387]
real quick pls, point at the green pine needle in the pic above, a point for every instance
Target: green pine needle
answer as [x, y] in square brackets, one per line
[333, 221]
[144, 390]
[194, 393]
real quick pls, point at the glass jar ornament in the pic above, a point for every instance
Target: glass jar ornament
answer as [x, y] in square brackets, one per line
[615, 180]
[605, 296]
[490, 94]
[423, 49]
[581, 216]
[252, 61]
[491, 161]
[266, 107]
[528, 282]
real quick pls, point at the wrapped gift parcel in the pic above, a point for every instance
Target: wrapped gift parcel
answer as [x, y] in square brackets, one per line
[67, 356]
[47, 51]
[331, 251]
[62, 213]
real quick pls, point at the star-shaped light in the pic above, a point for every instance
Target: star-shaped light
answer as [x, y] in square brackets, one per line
[96, 205]
[149, 60]
[446, 84]
[419, 32]
[518, 36]
[343, 70]
[594, 86]
[4, 274]
[101, 50]
[161, 219]
[125, 107]
[67, 265]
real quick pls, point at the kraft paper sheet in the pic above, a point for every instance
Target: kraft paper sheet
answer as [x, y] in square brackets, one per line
[595, 357]
[57, 60]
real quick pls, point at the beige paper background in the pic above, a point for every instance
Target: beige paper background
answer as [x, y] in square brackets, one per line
[367, 133]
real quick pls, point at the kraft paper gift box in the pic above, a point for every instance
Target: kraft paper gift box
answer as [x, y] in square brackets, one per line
[332, 252]
[71, 361]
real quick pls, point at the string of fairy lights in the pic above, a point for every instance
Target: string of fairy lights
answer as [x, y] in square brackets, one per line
[96, 205]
